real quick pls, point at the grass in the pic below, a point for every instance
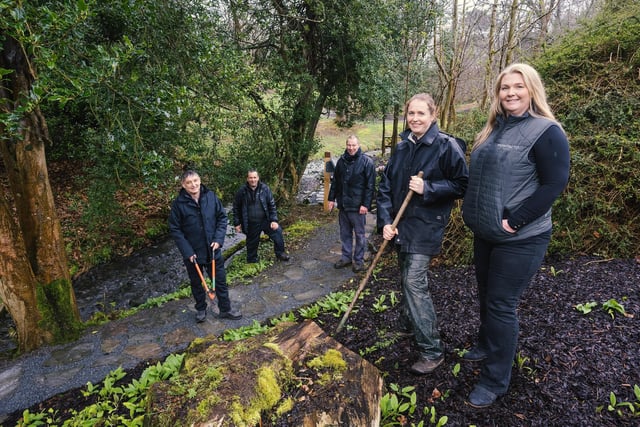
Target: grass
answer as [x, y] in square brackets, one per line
[333, 138]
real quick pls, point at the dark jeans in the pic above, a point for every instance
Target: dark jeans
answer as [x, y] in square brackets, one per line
[222, 291]
[417, 303]
[253, 239]
[503, 272]
[352, 223]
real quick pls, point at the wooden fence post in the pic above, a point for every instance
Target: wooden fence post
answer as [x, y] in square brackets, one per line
[328, 170]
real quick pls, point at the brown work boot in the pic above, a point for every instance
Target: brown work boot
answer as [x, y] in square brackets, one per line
[426, 366]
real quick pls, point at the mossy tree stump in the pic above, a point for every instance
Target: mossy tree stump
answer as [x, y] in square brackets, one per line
[295, 372]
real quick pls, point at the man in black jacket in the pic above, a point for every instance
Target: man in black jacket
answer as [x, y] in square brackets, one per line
[352, 189]
[198, 225]
[254, 212]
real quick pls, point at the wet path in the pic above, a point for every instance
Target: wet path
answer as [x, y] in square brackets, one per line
[157, 332]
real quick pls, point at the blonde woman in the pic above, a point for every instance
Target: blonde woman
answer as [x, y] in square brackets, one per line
[519, 165]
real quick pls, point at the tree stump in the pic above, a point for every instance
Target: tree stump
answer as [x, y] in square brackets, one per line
[293, 375]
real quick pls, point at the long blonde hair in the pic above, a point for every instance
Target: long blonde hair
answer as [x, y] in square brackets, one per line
[538, 108]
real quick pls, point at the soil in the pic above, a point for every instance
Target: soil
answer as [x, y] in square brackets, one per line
[569, 362]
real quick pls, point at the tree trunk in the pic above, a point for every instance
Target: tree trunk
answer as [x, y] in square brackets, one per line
[23, 155]
[15, 273]
[394, 129]
[382, 141]
[510, 44]
[301, 359]
[488, 68]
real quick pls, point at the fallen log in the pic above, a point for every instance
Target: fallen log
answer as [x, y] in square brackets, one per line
[295, 373]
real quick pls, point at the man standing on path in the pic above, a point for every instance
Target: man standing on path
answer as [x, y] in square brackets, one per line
[352, 190]
[254, 212]
[198, 224]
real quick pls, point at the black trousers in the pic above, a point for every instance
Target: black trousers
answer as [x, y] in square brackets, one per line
[222, 291]
[253, 239]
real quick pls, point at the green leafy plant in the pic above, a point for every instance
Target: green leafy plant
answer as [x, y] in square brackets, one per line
[285, 317]
[624, 408]
[554, 272]
[460, 351]
[106, 315]
[337, 303]
[38, 419]
[384, 342]
[310, 312]
[393, 298]
[397, 404]
[611, 306]
[111, 399]
[521, 361]
[431, 413]
[379, 305]
[239, 271]
[456, 370]
[244, 332]
[586, 308]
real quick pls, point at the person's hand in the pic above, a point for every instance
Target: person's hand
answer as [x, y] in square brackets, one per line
[507, 227]
[388, 232]
[215, 245]
[274, 225]
[238, 229]
[363, 210]
[192, 258]
[331, 206]
[416, 184]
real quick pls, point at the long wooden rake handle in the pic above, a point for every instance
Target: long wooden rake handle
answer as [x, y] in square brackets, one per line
[366, 277]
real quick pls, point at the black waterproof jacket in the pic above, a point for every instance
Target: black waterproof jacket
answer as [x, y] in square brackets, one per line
[243, 197]
[441, 157]
[353, 182]
[195, 226]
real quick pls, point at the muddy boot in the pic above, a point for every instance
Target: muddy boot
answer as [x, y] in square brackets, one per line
[426, 366]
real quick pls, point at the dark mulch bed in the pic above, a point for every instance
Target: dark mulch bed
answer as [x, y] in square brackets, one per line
[570, 362]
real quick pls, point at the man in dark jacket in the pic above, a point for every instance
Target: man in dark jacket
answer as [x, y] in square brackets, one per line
[198, 225]
[419, 233]
[254, 212]
[352, 189]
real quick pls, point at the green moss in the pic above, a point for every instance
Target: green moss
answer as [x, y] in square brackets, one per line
[330, 366]
[238, 349]
[213, 376]
[155, 227]
[301, 229]
[285, 406]
[274, 347]
[332, 359]
[205, 405]
[268, 389]
[268, 394]
[56, 307]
